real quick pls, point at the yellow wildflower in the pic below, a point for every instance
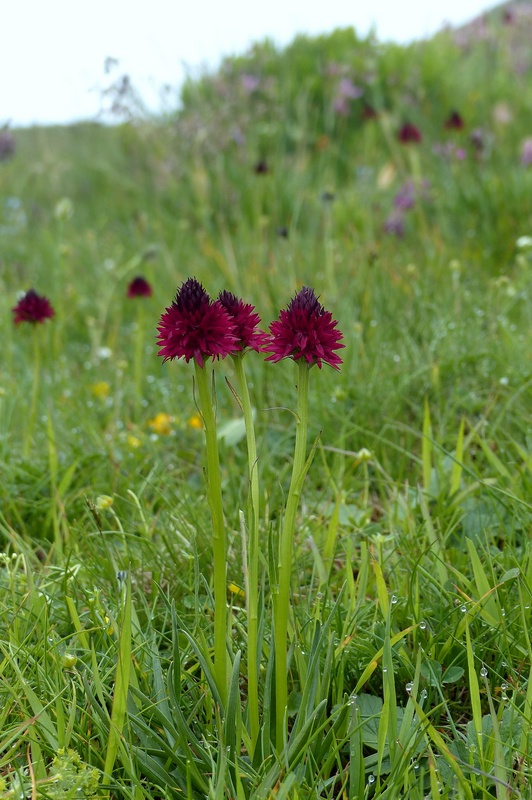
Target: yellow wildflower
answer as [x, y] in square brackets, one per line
[234, 589]
[103, 501]
[196, 422]
[101, 390]
[161, 424]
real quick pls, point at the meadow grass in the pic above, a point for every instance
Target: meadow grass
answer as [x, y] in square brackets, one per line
[409, 660]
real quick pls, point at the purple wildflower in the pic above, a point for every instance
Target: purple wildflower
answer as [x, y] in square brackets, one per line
[245, 320]
[305, 330]
[409, 134]
[32, 307]
[139, 287]
[195, 327]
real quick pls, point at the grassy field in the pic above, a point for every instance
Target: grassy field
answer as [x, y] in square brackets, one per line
[409, 661]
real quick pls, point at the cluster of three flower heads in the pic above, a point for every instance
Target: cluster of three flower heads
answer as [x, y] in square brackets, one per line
[196, 327]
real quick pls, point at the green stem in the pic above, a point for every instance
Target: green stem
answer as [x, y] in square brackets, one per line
[35, 390]
[139, 345]
[252, 579]
[214, 494]
[286, 546]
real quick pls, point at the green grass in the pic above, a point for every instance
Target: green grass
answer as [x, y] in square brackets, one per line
[410, 655]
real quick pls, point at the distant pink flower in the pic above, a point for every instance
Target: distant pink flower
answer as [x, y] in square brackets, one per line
[250, 83]
[406, 196]
[526, 152]
[346, 88]
[139, 287]
[395, 223]
[245, 320]
[449, 151]
[409, 134]
[345, 91]
[305, 330]
[195, 327]
[7, 145]
[32, 308]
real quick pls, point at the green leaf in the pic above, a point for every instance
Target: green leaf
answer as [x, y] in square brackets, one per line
[452, 675]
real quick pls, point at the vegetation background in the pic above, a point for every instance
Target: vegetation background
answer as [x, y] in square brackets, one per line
[410, 660]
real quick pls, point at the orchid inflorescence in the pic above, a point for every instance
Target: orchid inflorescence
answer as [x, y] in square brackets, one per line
[196, 327]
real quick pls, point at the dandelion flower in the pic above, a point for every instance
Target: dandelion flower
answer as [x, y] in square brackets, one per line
[161, 424]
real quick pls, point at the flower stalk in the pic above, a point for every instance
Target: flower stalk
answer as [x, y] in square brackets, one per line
[252, 578]
[34, 392]
[281, 601]
[214, 496]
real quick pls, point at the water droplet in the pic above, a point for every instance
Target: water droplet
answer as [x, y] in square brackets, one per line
[504, 686]
[371, 779]
[463, 609]
[393, 599]
[385, 669]
[409, 687]
[423, 625]
[319, 595]
[423, 695]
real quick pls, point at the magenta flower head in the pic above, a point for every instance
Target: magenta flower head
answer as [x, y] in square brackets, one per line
[195, 327]
[139, 287]
[32, 308]
[245, 320]
[305, 330]
[409, 134]
[454, 122]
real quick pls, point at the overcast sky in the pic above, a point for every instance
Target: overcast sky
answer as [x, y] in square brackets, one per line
[52, 52]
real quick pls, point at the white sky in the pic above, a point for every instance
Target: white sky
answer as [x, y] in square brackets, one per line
[52, 52]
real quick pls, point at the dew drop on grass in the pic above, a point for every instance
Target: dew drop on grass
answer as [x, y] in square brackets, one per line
[423, 625]
[409, 687]
[385, 669]
[393, 599]
[463, 609]
[371, 779]
[423, 695]
[484, 672]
